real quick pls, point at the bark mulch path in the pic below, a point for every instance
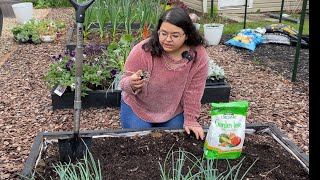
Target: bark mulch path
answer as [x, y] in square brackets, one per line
[264, 81]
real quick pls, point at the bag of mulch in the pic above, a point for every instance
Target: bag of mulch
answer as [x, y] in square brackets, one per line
[246, 38]
[226, 134]
[276, 38]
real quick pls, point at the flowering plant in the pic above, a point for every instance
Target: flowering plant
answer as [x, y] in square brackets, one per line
[95, 71]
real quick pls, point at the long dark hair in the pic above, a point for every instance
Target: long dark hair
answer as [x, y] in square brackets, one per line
[177, 17]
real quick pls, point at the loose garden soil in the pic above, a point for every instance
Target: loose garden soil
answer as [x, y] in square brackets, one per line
[261, 77]
[138, 157]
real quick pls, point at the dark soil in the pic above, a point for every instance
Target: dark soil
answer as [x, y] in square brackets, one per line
[138, 157]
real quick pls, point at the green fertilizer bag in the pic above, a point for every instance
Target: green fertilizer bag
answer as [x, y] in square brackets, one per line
[226, 133]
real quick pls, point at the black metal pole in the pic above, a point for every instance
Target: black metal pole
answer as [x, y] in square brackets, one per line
[245, 15]
[1, 21]
[281, 11]
[211, 10]
[298, 46]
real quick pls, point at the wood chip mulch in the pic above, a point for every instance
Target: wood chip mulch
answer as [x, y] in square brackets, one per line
[264, 81]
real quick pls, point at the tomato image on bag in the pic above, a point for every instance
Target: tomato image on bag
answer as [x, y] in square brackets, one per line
[226, 133]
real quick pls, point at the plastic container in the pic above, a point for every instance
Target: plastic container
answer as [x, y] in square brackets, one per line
[23, 12]
[213, 33]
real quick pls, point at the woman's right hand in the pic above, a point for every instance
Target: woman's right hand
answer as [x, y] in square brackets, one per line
[136, 81]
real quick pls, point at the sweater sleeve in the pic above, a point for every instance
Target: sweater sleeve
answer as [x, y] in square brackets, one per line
[194, 92]
[133, 63]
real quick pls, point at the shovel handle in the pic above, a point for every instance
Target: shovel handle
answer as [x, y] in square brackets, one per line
[80, 9]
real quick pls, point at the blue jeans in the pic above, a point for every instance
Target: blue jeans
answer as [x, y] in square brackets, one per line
[130, 120]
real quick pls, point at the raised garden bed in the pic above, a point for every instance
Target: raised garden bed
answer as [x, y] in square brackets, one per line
[103, 98]
[136, 153]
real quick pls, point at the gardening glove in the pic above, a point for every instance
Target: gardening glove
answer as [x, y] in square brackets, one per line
[197, 130]
[136, 81]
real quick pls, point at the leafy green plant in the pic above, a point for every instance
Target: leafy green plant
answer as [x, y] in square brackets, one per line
[62, 70]
[89, 14]
[158, 8]
[86, 168]
[101, 13]
[26, 32]
[128, 15]
[117, 53]
[113, 10]
[174, 167]
[144, 13]
[116, 56]
[215, 72]
[31, 31]
[211, 17]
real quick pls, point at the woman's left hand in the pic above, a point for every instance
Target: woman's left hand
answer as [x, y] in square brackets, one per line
[197, 130]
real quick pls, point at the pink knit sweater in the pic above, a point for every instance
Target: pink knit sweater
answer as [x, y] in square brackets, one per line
[167, 92]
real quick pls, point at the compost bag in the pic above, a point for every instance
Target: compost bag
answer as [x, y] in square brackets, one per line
[226, 133]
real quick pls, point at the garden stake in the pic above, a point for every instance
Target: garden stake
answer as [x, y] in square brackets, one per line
[74, 148]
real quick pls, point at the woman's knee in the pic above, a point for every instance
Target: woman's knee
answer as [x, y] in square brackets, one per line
[129, 119]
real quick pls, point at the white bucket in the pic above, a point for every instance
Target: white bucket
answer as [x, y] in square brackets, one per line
[23, 12]
[213, 33]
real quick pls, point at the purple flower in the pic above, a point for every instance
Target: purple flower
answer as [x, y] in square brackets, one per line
[72, 53]
[113, 72]
[68, 65]
[55, 58]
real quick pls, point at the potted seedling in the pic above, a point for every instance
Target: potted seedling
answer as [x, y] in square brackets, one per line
[217, 89]
[215, 74]
[48, 30]
[26, 33]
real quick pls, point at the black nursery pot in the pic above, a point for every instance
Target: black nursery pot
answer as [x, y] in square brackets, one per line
[96, 98]
[215, 82]
[218, 92]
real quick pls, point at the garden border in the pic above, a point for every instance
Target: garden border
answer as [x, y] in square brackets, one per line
[38, 144]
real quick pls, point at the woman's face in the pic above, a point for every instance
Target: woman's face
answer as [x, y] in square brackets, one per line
[171, 37]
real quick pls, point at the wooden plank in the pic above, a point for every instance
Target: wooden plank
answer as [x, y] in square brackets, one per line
[194, 4]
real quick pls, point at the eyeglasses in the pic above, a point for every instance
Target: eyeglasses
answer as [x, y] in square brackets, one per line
[174, 36]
